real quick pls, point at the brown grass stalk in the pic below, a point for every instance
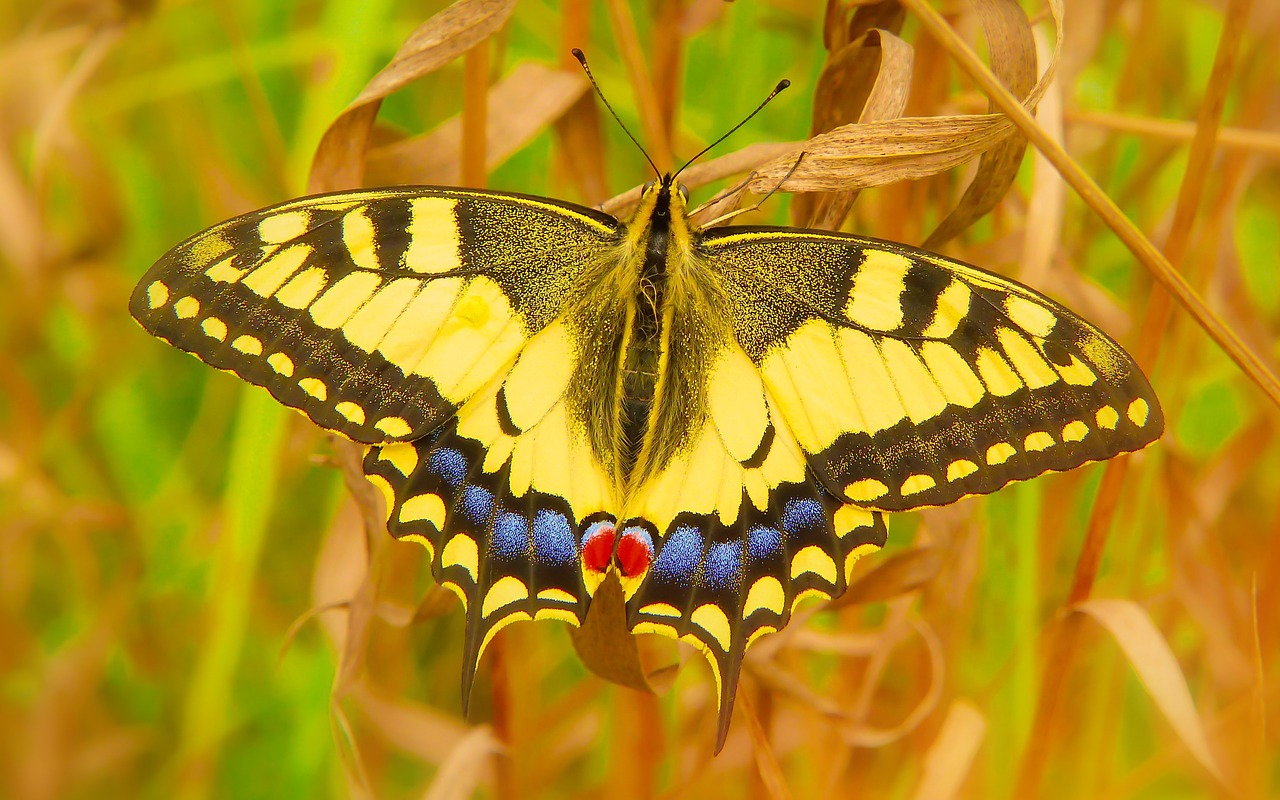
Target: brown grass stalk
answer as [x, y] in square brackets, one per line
[1098, 200]
[1065, 643]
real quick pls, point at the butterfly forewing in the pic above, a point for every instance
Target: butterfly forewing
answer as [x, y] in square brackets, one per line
[912, 380]
[376, 313]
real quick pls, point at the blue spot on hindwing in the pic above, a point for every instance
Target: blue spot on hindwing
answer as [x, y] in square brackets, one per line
[763, 542]
[799, 515]
[723, 565]
[553, 541]
[511, 536]
[476, 504]
[449, 465]
[677, 562]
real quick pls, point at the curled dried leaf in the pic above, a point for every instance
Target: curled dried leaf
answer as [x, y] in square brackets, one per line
[340, 157]
[1013, 60]
[520, 106]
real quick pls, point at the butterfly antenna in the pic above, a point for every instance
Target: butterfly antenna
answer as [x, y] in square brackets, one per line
[782, 84]
[582, 59]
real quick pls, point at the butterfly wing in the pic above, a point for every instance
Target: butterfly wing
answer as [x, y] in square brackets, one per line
[376, 313]
[911, 380]
[431, 324]
[738, 527]
[502, 495]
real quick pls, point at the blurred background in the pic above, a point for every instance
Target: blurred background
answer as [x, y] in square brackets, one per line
[192, 604]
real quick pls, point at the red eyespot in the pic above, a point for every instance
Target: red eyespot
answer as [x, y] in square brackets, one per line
[635, 552]
[597, 546]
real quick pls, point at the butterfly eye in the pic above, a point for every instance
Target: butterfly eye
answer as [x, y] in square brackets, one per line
[647, 187]
[684, 191]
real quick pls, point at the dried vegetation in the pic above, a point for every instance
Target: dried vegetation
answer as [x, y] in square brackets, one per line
[197, 598]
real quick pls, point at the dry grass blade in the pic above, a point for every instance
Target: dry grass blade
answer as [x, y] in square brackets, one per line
[1097, 199]
[766, 761]
[520, 106]
[1157, 667]
[950, 757]
[420, 731]
[340, 157]
[1013, 59]
[464, 770]
[887, 151]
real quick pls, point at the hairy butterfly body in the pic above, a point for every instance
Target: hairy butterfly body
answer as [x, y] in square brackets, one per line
[718, 417]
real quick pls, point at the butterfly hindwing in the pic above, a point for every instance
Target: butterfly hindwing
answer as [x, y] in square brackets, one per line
[501, 497]
[740, 529]
[377, 313]
[913, 380]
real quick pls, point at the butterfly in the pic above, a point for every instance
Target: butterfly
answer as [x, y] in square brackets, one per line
[718, 418]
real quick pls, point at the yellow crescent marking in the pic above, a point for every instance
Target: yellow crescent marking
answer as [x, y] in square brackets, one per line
[916, 484]
[404, 457]
[766, 593]
[388, 494]
[314, 387]
[215, 328]
[352, 411]
[852, 559]
[557, 595]
[393, 426]
[457, 590]
[711, 618]
[428, 507]
[1036, 441]
[660, 610]
[561, 614]
[506, 591]
[1075, 431]
[281, 363]
[1138, 411]
[461, 552]
[805, 595]
[1107, 418]
[850, 518]
[866, 489]
[157, 294]
[187, 307]
[813, 559]
[758, 632]
[249, 345]
[961, 468]
[422, 540]
[647, 626]
[1000, 452]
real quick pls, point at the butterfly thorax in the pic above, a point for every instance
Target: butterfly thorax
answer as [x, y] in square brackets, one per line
[658, 340]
